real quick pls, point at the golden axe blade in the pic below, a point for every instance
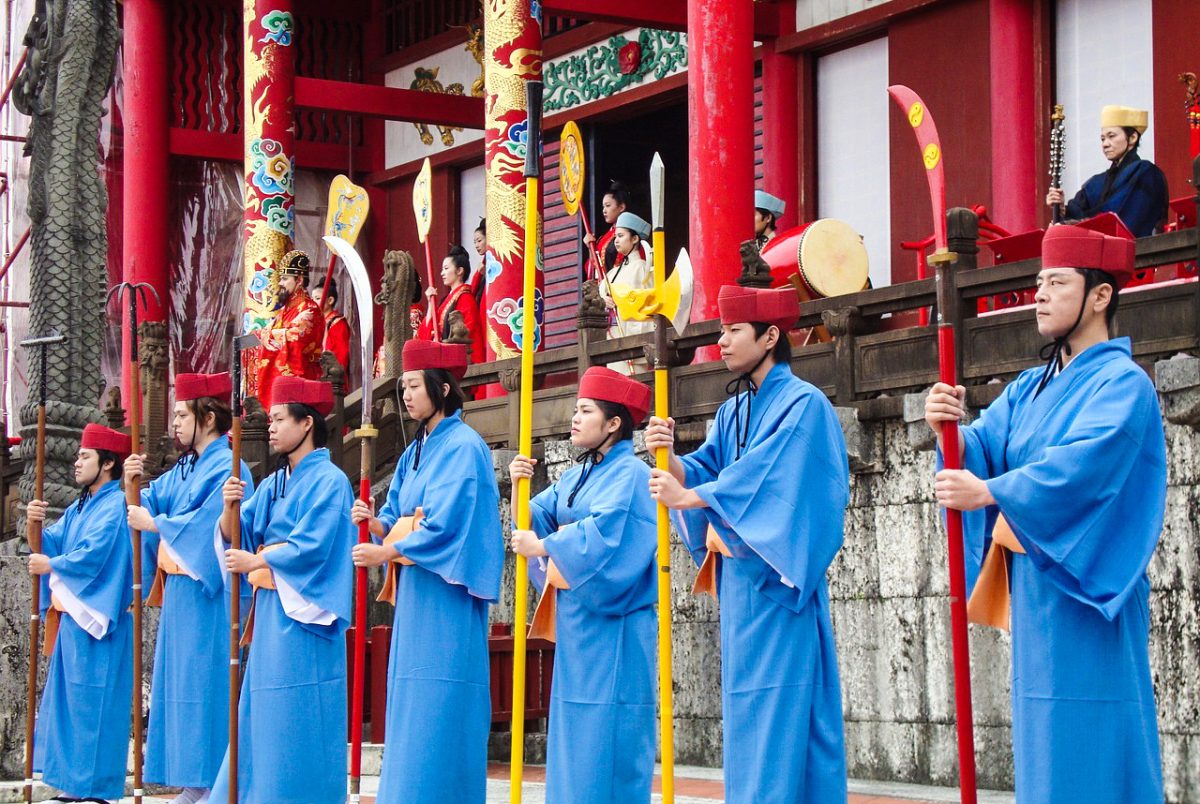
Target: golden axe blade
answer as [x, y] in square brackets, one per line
[673, 300]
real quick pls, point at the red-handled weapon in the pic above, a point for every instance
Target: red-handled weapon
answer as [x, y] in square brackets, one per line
[931, 154]
[366, 434]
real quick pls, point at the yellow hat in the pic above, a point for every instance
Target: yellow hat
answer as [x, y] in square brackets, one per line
[1124, 117]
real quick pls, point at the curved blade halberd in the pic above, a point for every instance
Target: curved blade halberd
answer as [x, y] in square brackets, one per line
[918, 116]
[366, 317]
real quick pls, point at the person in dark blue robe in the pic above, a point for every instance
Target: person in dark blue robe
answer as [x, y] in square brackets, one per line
[189, 694]
[1133, 188]
[296, 537]
[444, 569]
[591, 550]
[761, 506]
[82, 736]
[1064, 486]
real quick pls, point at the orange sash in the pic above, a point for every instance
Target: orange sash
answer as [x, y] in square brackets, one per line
[399, 532]
[166, 566]
[544, 617]
[259, 579]
[991, 600]
[53, 615]
[706, 579]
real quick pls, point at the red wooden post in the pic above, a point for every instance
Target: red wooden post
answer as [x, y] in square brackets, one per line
[721, 125]
[781, 133]
[377, 672]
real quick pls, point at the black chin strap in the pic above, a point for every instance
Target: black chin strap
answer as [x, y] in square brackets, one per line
[187, 461]
[422, 432]
[86, 493]
[280, 475]
[589, 459]
[743, 382]
[1053, 352]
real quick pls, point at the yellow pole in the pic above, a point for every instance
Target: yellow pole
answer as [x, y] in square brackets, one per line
[533, 96]
[661, 408]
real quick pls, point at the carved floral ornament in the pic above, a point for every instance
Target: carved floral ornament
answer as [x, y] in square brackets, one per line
[609, 67]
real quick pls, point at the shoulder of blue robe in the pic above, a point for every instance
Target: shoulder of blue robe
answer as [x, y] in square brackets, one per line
[391, 510]
[460, 538]
[193, 508]
[983, 442]
[95, 561]
[315, 559]
[543, 520]
[1138, 195]
[1087, 500]
[607, 555]
[786, 496]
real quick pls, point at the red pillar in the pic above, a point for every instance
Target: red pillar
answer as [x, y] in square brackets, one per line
[721, 144]
[145, 205]
[781, 133]
[1017, 190]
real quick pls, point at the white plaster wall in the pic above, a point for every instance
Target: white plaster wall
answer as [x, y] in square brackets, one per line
[403, 142]
[815, 12]
[1103, 55]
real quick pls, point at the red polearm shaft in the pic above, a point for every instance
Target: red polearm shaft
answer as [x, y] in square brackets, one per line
[921, 120]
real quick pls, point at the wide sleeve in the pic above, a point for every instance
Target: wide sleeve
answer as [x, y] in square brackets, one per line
[339, 342]
[605, 556]
[315, 559]
[391, 510]
[1146, 204]
[700, 466]
[469, 307]
[186, 531]
[459, 536]
[1089, 509]
[1088, 196]
[786, 496]
[90, 571]
[52, 545]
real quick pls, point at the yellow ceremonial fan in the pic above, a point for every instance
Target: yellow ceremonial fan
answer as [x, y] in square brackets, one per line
[571, 167]
[348, 208]
[423, 200]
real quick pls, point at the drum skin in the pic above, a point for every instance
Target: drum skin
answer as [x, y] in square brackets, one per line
[827, 253]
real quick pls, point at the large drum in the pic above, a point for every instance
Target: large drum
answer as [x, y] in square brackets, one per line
[827, 254]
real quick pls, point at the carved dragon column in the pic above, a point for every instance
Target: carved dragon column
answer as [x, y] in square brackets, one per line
[269, 79]
[63, 87]
[512, 55]
[153, 363]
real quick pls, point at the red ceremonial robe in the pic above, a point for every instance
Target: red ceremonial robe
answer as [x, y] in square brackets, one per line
[291, 347]
[337, 338]
[463, 300]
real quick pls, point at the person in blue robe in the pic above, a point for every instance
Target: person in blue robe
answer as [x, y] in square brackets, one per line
[82, 735]
[762, 503]
[293, 708]
[594, 535]
[1072, 457]
[445, 573]
[189, 694]
[1133, 188]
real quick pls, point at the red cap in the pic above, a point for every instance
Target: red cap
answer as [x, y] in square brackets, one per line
[97, 436]
[1102, 242]
[739, 305]
[314, 393]
[195, 386]
[418, 355]
[600, 382]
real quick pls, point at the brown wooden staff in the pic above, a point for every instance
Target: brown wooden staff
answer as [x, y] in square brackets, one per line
[233, 528]
[135, 291]
[33, 535]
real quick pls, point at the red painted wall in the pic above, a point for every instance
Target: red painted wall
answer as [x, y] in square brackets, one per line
[955, 84]
[1176, 50]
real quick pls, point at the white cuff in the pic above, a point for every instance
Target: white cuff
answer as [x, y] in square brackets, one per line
[298, 608]
[87, 618]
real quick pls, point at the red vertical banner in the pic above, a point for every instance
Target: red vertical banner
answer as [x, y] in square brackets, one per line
[512, 56]
[270, 164]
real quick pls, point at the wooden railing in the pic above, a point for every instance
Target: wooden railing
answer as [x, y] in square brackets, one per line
[869, 365]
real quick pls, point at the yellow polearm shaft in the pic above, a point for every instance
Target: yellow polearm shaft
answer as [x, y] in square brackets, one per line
[529, 324]
[661, 409]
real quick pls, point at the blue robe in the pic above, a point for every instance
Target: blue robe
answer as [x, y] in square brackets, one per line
[189, 697]
[780, 509]
[1079, 472]
[600, 742]
[82, 737]
[293, 709]
[1138, 195]
[439, 709]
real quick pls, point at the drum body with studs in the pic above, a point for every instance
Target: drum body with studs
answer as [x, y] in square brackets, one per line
[827, 254]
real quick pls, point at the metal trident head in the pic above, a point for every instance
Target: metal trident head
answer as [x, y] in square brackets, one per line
[42, 344]
[134, 291]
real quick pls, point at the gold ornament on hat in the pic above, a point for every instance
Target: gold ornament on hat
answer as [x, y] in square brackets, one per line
[294, 263]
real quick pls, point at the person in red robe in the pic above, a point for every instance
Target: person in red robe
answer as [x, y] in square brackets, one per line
[455, 270]
[337, 328]
[616, 201]
[292, 345]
